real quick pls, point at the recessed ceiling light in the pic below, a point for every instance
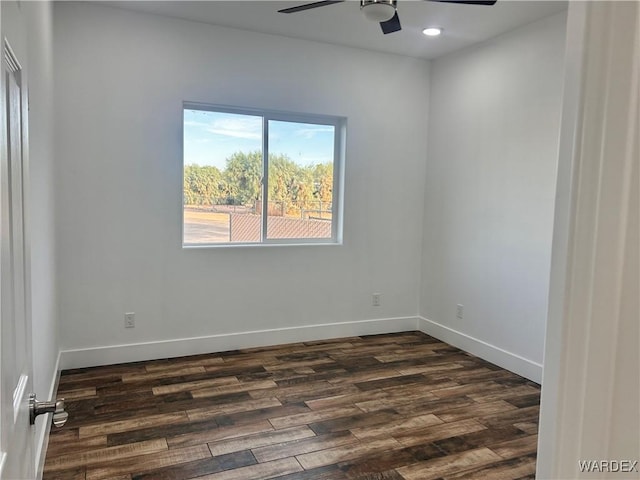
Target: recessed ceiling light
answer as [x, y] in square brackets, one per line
[432, 31]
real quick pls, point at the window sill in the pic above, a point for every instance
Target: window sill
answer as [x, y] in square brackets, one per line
[188, 246]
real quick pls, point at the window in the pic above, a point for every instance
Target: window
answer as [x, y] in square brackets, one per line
[260, 177]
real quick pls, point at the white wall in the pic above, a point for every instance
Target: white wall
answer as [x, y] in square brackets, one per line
[41, 203]
[121, 78]
[489, 198]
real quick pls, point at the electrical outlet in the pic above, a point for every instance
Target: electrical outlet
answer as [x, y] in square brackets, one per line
[375, 299]
[129, 320]
[459, 312]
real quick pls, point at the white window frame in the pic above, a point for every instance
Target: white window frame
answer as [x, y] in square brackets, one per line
[339, 149]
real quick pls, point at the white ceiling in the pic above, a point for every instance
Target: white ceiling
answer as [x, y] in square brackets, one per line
[344, 24]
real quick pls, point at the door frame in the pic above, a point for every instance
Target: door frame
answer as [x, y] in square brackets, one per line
[587, 407]
[17, 443]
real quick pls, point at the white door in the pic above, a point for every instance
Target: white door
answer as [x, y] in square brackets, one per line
[16, 371]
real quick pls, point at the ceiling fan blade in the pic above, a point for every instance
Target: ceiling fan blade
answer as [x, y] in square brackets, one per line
[467, 2]
[391, 25]
[309, 6]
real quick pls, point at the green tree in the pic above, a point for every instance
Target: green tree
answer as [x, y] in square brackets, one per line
[304, 188]
[292, 187]
[323, 179]
[202, 185]
[243, 176]
[283, 174]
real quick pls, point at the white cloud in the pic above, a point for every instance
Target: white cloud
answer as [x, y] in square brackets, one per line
[311, 132]
[193, 123]
[238, 127]
[249, 128]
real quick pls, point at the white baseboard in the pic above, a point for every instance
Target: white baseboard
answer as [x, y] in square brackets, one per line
[91, 357]
[43, 438]
[508, 360]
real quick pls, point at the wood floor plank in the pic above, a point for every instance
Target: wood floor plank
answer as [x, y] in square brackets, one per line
[399, 338]
[267, 350]
[277, 365]
[437, 368]
[394, 357]
[314, 416]
[477, 439]
[373, 374]
[226, 370]
[148, 462]
[132, 424]
[265, 413]
[474, 375]
[331, 472]
[69, 474]
[262, 439]
[525, 400]
[76, 445]
[379, 465]
[162, 431]
[167, 373]
[390, 382]
[77, 394]
[468, 388]
[183, 401]
[440, 467]
[402, 426]
[475, 410]
[520, 390]
[519, 415]
[222, 433]
[98, 375]
[261, 471]
[382, 407]
[327, 347]
[425, 406]
[346, 452]
[289, 378]
[198, 468]
[190, 386]
[515, 469]
[205, 413]
[233, 388]
[242, 359]
[332, 401]
[351, 422]
[304, 393]
[407, 396]
[527, 427]
[517, 447]
[438, 432]
[104, 455]
[299, 447]
[183, 362]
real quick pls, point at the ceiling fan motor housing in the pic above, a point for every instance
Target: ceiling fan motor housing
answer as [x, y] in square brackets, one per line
[378, 10]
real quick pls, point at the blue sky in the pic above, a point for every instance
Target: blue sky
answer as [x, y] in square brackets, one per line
[211, 137]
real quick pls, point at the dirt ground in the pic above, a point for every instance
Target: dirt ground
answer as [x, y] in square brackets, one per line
[201, 226]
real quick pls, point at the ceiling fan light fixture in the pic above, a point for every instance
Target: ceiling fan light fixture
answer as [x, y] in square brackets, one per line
[432, 31]
[378, 10]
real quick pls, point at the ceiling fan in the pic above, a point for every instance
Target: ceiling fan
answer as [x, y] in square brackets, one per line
[383, 11]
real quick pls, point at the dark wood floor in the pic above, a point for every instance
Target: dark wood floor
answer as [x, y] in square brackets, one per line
[399, 406]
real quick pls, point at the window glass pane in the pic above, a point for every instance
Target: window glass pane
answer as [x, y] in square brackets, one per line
[222, 177]
[301, 158]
